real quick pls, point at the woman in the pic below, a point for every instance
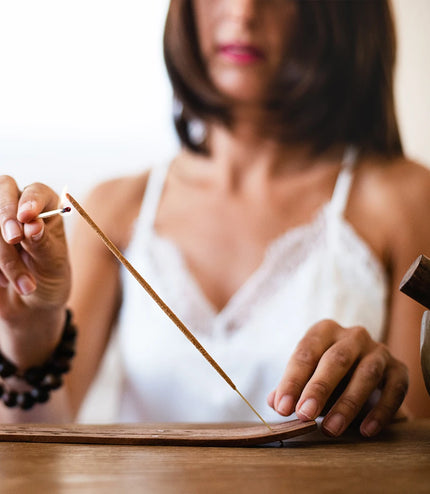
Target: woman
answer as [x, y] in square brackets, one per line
[279, 233]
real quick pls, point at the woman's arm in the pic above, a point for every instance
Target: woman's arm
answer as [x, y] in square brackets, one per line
[410, 237]
[94, 300]
[34, 284]
[329, 355]
[96, 290]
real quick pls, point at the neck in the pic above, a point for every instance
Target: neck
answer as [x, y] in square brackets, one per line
[245, 152]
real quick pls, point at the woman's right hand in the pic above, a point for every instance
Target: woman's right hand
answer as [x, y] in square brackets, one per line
[34, 268]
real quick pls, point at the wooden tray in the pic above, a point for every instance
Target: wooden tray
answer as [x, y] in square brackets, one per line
[156, 434]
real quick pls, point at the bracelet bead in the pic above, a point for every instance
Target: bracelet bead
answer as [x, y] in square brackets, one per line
[52, 381]
[42, 379]
[9, 398]
[40, 395]
[25, 400]
[7, 369]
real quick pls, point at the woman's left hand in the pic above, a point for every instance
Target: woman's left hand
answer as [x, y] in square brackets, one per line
[323, 358]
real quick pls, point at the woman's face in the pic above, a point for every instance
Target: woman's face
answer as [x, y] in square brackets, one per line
[242, 43]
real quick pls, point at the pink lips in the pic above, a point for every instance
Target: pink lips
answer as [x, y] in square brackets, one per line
[241, 53]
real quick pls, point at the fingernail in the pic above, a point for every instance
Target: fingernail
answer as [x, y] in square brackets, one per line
[285, 405]
[12, 230]
[39, 235]
[271, 399]
[26, 285]
[309, 408]
[372, 428]
[335, 424]
[27, 206]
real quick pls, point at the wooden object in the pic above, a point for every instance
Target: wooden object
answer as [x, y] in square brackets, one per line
[416, 282]
[396, 462]
[156, 434]
[425, 348]
[157, 299]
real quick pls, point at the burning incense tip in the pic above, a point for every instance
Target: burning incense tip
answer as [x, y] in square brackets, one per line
[61, 211]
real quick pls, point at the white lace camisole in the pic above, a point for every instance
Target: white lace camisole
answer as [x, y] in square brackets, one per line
[322, 269]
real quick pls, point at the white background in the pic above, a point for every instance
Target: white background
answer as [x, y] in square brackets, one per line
[84, 95]
[83, 90]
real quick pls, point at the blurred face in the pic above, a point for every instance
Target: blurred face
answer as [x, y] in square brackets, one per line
[242, 43]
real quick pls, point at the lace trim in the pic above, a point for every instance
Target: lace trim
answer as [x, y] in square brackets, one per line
[283, 257]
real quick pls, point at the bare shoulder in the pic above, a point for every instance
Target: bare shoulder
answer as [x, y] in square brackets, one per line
[395, 196]
[406, 175]
[115, 204]
[402, 185]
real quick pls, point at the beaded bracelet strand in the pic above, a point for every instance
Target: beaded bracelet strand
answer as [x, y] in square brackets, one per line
[41, 379]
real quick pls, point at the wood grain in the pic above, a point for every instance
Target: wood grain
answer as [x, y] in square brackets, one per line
[156, 434]
[416, 281]
[396, 462]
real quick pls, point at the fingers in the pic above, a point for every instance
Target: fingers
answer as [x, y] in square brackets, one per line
[17, 209]
[35, 199]
[12, 268]
[393, 393]
[300, 369]
[11, 229]
[20, 229]
[333, 366]
[326, 358]
[364, 381]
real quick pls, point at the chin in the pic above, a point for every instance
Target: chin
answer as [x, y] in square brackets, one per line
[242, 86]
[244, 94]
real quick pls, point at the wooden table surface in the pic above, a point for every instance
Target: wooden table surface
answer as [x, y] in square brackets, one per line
[398, 461]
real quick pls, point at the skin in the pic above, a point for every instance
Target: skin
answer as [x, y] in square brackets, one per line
[253, 189]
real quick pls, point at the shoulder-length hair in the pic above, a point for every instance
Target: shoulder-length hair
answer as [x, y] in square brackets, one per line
[335, 86]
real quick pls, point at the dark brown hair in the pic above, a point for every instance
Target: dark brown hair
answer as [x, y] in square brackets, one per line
[335, 87]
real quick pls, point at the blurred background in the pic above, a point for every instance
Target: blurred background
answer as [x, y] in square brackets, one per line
[83, 90]
[84, 95]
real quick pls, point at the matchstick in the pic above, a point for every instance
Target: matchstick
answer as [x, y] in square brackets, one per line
[61, 211]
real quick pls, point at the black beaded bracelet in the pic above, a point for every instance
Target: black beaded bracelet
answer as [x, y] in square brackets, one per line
[41, 379]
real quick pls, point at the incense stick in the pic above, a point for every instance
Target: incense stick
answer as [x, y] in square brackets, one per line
[166, 309]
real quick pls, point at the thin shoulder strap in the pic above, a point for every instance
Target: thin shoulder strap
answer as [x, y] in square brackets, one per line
[344, 180]
[153, 192]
